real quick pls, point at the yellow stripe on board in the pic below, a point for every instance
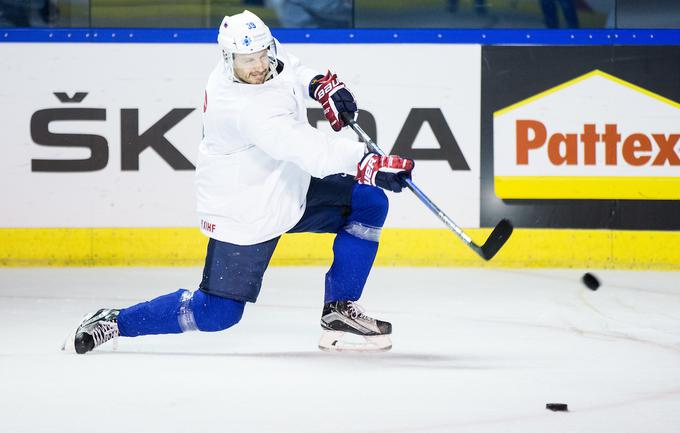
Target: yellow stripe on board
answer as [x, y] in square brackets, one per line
[587, 187]
[531, 248]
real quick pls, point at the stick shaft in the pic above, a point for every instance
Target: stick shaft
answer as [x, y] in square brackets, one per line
[412, 186]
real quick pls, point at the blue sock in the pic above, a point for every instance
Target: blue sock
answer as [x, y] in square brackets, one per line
[178, 312]
[356, 245]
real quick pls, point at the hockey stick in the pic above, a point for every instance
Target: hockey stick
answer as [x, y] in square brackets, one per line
[498, 237]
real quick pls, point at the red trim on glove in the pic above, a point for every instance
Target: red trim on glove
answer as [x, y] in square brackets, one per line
[325, 88]
[372, 163]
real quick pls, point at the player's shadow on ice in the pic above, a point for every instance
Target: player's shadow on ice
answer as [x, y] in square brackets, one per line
[384, 359]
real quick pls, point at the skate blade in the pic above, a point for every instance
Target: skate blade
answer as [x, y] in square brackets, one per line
[69, 344]
[336, 341]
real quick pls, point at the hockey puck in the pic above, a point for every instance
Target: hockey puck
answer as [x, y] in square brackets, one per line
[557, 407]
[590, 281]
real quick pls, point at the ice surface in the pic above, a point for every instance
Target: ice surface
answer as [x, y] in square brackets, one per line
[474, 351]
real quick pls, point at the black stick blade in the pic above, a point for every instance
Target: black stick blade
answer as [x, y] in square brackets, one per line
[498, 237]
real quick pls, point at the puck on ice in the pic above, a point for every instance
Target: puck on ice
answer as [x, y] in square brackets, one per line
[557, 407]
[590, 281]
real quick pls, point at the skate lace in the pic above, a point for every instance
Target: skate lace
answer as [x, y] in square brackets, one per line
[103, 332]
[355, 310]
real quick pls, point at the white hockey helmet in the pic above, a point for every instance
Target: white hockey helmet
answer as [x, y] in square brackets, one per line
[244, 33]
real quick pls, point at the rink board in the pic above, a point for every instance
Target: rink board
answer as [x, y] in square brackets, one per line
[99, 155]
[102, 144]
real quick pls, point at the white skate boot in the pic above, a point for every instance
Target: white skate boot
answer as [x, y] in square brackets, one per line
[94, 330]
[341, 320]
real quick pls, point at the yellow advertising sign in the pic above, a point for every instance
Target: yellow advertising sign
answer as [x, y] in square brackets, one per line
[594, 137]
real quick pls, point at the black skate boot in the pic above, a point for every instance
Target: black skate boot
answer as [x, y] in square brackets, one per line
[94, 330]
[342, 318]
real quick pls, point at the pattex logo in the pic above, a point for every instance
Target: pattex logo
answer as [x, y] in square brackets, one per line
[596, 136]
[573, 148]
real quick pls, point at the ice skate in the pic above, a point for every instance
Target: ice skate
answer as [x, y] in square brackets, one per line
[344, 320]
[94, 330]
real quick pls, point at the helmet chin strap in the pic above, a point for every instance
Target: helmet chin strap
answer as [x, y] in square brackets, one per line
[273, 63]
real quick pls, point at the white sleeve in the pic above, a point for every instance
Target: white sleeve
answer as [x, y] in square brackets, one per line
[269, 123]
[303, 73]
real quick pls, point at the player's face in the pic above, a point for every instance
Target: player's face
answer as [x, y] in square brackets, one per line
[251, 68]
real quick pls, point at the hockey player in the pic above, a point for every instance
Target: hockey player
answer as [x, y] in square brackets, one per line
[263, 171]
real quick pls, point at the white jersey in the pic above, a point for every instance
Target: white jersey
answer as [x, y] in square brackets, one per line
[258, 153]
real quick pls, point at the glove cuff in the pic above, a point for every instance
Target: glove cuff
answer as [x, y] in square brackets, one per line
[313, 85]
[367, 168]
